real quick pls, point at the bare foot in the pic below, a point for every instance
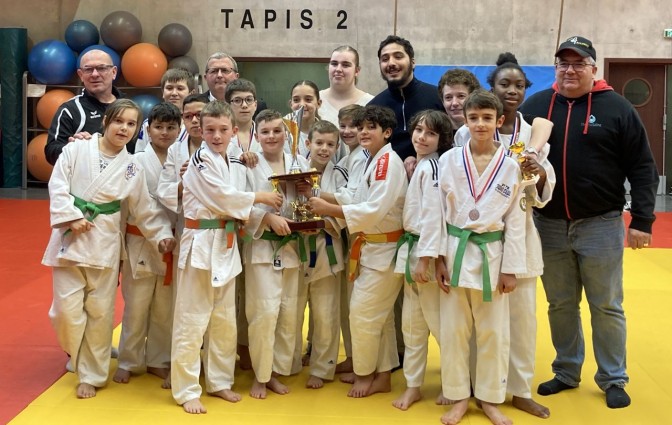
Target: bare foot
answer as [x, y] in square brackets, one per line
[406, 400]
[442, 401]
[277, 386]
[314, 382]
[361, 386]
[245, 362]
[194, 406]
[121, 376]
[258, 390]
[348, 378]
[455, 414]
[382, 383]
[86, 390]
[530, 406]
[227, 395]
[161, 372]
[166, 384]
[495, 415]
[345, 366]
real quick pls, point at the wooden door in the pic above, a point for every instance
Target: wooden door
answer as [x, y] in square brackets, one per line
[643, 85]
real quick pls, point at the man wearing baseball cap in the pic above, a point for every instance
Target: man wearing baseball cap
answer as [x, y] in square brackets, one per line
[596, 143]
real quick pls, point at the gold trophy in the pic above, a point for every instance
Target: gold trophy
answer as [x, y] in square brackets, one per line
[518, 147]
[296, 208]
[528, 179]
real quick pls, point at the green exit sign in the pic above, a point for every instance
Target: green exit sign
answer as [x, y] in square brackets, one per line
[667, 33]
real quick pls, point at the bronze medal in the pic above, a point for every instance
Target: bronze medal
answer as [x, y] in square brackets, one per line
[474, 214]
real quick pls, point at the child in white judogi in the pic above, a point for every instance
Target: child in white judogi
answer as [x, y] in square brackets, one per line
[90, 181]
[483, 249]
[322, 278]
[272, 261]
[213, 201]
[431, 134]
[146, 326]
[374, 220]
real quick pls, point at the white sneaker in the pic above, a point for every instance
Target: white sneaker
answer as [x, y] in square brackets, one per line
[627, 206]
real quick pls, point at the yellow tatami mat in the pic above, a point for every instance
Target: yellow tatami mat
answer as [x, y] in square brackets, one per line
[648, 300]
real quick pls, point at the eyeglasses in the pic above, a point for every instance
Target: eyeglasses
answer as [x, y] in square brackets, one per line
[578, 67]
[188, 116]
[224, 71]
[238, 101]
[101, 69]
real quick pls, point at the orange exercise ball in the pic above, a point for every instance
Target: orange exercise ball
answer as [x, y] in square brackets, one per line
[49, 103]
[143, 65]
[37, 162]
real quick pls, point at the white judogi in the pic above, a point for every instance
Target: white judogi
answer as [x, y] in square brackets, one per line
[213, 189]
[86, 266]
[321, 286]
[376, 208]
[146, 330]
[354, 163]
[271, 286]
[255, 146]
[463, 309]
[144, 139]
[523, 301]
[420, 311]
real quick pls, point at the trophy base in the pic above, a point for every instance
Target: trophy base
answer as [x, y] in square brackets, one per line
[306, 226]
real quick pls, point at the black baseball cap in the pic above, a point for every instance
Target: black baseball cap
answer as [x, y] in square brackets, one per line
[580, 45]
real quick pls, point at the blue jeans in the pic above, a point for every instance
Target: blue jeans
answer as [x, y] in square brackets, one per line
[585, 254]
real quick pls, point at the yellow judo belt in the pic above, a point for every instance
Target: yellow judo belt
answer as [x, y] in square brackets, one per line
[361, 239]
[410, 239]
[481, 240]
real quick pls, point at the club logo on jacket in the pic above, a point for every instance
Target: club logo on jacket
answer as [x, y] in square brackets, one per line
[131, 171]
[503, 190]
[381, 167]
[94, 114]
[592, 122]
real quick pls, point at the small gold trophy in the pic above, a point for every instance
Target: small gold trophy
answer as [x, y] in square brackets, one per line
[518, 147]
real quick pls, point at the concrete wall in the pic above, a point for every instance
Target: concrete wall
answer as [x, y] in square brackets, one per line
[448, 32]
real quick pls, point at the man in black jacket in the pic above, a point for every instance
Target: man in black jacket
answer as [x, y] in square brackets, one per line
[405, 94]
[597, 142]
[83, 114]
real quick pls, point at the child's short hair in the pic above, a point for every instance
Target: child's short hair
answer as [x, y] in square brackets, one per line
[239, 85]
[507, 60]
[438, 122]
[195, 98]
[380, 115]
[217, 109]
[174, 75]
[348, 111]
[483, 99]
[456, 76]
[165, 112]
[408, 48]
[117, 108]
[323, 127]
[267, 115]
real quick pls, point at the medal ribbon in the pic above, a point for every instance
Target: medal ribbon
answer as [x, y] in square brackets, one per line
[514, 136]
[470, 176]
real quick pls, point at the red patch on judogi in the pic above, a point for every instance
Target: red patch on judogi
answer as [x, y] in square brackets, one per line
[381, 166]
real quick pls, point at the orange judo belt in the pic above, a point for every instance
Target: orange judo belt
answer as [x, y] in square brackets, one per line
[361, 239]
[167, 256]
[214, 223]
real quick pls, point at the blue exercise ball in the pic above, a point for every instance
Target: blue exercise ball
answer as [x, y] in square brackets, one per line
[116, 59]
[146, 102]
[52, 62]
[81, 34]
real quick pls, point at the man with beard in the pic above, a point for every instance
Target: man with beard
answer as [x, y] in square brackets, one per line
[405, 94]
